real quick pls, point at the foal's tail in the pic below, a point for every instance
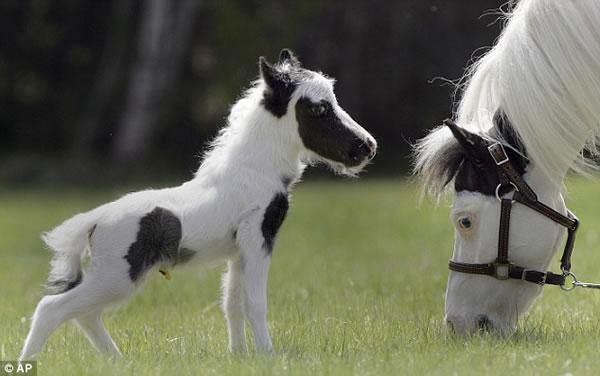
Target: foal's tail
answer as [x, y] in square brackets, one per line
[68, 241]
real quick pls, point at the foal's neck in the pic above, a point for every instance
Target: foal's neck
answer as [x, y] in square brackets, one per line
[268, 145]
[258, 143]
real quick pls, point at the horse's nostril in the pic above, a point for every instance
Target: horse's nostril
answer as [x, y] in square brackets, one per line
[483, 322]
[450, 324]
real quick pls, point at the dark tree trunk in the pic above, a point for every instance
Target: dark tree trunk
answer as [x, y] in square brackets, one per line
[111, 69]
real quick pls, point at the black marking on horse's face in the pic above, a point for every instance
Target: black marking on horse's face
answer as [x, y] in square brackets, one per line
[273, 218]
[324, 133]
[157, 241]
[55, 287]
[281, 81]
[477, 170]
[484, 178]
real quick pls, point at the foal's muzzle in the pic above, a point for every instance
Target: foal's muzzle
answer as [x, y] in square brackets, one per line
[362, 149]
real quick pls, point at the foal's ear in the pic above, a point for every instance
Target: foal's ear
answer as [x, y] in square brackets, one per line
[268, 72]
[473, 145]
[286, 56]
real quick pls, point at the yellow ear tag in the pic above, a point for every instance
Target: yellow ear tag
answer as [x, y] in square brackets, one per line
[166, 272]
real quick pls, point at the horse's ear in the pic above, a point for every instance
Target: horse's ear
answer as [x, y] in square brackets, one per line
[268, 72]
[286, 56]
[504, 128]
[473, 145]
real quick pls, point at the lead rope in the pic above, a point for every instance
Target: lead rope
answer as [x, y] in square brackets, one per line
[577, 283]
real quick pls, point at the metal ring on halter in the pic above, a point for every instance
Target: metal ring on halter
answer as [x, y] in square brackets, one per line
[500, 186]
[573, 284]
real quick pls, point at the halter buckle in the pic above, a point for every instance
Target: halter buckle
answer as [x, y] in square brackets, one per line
[501, 270]
[492, 149]
[541, 282]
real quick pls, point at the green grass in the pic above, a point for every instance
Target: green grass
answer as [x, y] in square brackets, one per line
[356, 287]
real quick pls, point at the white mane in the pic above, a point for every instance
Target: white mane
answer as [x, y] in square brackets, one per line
[544, 74]
[240, 109]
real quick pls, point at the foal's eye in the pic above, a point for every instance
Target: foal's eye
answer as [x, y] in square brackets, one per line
[319, 109]
[465, 222]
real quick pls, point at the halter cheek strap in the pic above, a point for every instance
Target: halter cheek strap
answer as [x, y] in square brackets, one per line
[502, 268]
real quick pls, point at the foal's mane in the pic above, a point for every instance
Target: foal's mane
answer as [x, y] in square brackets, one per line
[239, 110]
[543, 73]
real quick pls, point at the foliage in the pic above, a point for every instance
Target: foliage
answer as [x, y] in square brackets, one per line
[66, 70]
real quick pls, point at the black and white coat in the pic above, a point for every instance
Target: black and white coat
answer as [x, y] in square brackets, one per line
[230, 211]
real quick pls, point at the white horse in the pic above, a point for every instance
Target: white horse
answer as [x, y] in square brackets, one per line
[536, 92]
[231, 210]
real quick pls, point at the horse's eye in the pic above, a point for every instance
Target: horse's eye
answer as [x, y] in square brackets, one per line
[319, 109]
[465, 222]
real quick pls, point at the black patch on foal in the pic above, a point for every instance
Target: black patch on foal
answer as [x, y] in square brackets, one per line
[281, 81]
[276, 98]
[157, 240]
[324, 133]
[273, 218]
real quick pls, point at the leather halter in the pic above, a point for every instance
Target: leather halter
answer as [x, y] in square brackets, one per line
[502, 268]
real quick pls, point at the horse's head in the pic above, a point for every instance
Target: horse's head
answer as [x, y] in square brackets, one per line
[494, 301]
[305, 102]
[542, 75]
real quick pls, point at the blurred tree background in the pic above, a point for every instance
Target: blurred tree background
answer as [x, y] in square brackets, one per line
[93, 90]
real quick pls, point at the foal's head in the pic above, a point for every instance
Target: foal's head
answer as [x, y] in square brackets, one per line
[304, 101]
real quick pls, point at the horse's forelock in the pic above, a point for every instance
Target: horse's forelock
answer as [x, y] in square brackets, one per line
[436, 159]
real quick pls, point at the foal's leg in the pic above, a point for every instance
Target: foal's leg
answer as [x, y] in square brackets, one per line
[93, 327]
[255, 268]
[91, 295]
[46, 319]
[254, 281]
[233, 305]
[50, 313]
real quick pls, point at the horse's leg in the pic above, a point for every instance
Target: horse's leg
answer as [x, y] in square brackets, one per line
[93, 327]
[233, 305]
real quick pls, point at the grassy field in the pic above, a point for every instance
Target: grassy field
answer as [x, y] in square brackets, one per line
[356, 287]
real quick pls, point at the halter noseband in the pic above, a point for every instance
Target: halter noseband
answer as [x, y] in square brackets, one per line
[502, 268]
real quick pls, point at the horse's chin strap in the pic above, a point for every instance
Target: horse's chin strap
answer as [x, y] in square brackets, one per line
[502, 268]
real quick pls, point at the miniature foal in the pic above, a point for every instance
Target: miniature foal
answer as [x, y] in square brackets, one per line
[231, 210]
